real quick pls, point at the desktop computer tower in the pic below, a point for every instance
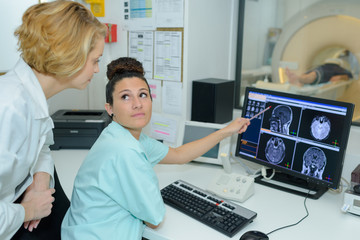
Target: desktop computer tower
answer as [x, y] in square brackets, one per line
[212, 100]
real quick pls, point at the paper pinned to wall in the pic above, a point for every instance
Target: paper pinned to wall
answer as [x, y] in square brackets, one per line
[168, 55]
[155, 88]
[139, 15]
[170, 13]
[163, 128]
[141, 47]
[172, 97]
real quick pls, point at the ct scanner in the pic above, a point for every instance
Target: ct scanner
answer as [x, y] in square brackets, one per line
[326, 29]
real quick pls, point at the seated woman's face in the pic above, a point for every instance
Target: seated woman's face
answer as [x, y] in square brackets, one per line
[132, 105]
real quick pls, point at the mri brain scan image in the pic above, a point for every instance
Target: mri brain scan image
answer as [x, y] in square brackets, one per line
[275, 150]
[314, 162]
[320, 127]
[280, 119]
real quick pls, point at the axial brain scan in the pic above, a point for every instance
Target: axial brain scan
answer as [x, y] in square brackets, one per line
[314, 162]
[275, 150]
[320, 127]
[281, 118]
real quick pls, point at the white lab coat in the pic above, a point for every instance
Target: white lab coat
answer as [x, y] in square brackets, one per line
[25, 136]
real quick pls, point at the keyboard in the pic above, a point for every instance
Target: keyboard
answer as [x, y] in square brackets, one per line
[221, 215]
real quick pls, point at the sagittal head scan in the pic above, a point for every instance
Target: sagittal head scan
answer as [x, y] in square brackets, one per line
[281, 118]
[314, 162]
[320, 127]
[275, 150]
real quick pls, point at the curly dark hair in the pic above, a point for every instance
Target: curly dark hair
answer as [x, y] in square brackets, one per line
[124, 67]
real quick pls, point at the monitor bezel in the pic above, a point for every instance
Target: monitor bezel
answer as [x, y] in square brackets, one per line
[344, 135]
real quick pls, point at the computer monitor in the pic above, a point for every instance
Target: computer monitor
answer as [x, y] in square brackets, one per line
[219, 154]
[302, 138]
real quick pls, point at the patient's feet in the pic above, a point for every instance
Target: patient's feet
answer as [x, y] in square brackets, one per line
[293, 78]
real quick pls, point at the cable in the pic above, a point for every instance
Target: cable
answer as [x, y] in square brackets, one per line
[294, 224]
[263, 173]
[348, 185]
[341, 186]
[247, 169]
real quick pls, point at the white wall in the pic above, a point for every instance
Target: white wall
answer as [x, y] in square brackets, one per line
[210, 42]
[10, 19]
[209, 51]
[260, 15]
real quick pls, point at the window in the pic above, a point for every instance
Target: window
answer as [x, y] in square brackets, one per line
[281, 40]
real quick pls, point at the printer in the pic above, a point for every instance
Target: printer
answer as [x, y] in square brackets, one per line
[78, 129]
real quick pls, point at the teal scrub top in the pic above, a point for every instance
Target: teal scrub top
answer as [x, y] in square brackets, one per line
[116, 188]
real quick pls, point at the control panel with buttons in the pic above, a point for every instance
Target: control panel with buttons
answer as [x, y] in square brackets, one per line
[236, 187]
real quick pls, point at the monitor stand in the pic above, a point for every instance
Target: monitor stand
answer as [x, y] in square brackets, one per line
[288, 183]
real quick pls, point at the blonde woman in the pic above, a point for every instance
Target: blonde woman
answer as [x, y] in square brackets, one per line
[60, 44]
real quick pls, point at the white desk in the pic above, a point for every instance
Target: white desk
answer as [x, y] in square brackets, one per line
[274, 208]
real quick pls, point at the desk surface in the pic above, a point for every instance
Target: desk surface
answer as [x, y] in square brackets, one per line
[274, 208]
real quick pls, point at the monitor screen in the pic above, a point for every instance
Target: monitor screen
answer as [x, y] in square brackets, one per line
[193, 133]
[300, 136]
[194, 130]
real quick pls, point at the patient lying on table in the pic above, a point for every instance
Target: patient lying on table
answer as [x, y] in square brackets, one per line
[330, 71]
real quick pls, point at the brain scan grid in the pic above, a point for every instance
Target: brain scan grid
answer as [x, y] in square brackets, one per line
[314, 159]
[308, 129]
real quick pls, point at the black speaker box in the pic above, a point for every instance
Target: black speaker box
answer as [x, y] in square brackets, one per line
[212, 100]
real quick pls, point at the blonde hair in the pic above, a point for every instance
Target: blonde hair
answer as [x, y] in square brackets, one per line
[55, 38]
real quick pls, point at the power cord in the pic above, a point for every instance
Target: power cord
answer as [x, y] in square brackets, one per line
[247, 169]
[294, 224]
[341, 186]
[263, 174]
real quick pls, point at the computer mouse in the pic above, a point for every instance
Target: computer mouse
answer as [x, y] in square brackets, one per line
[357, 188]
[254, 235]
